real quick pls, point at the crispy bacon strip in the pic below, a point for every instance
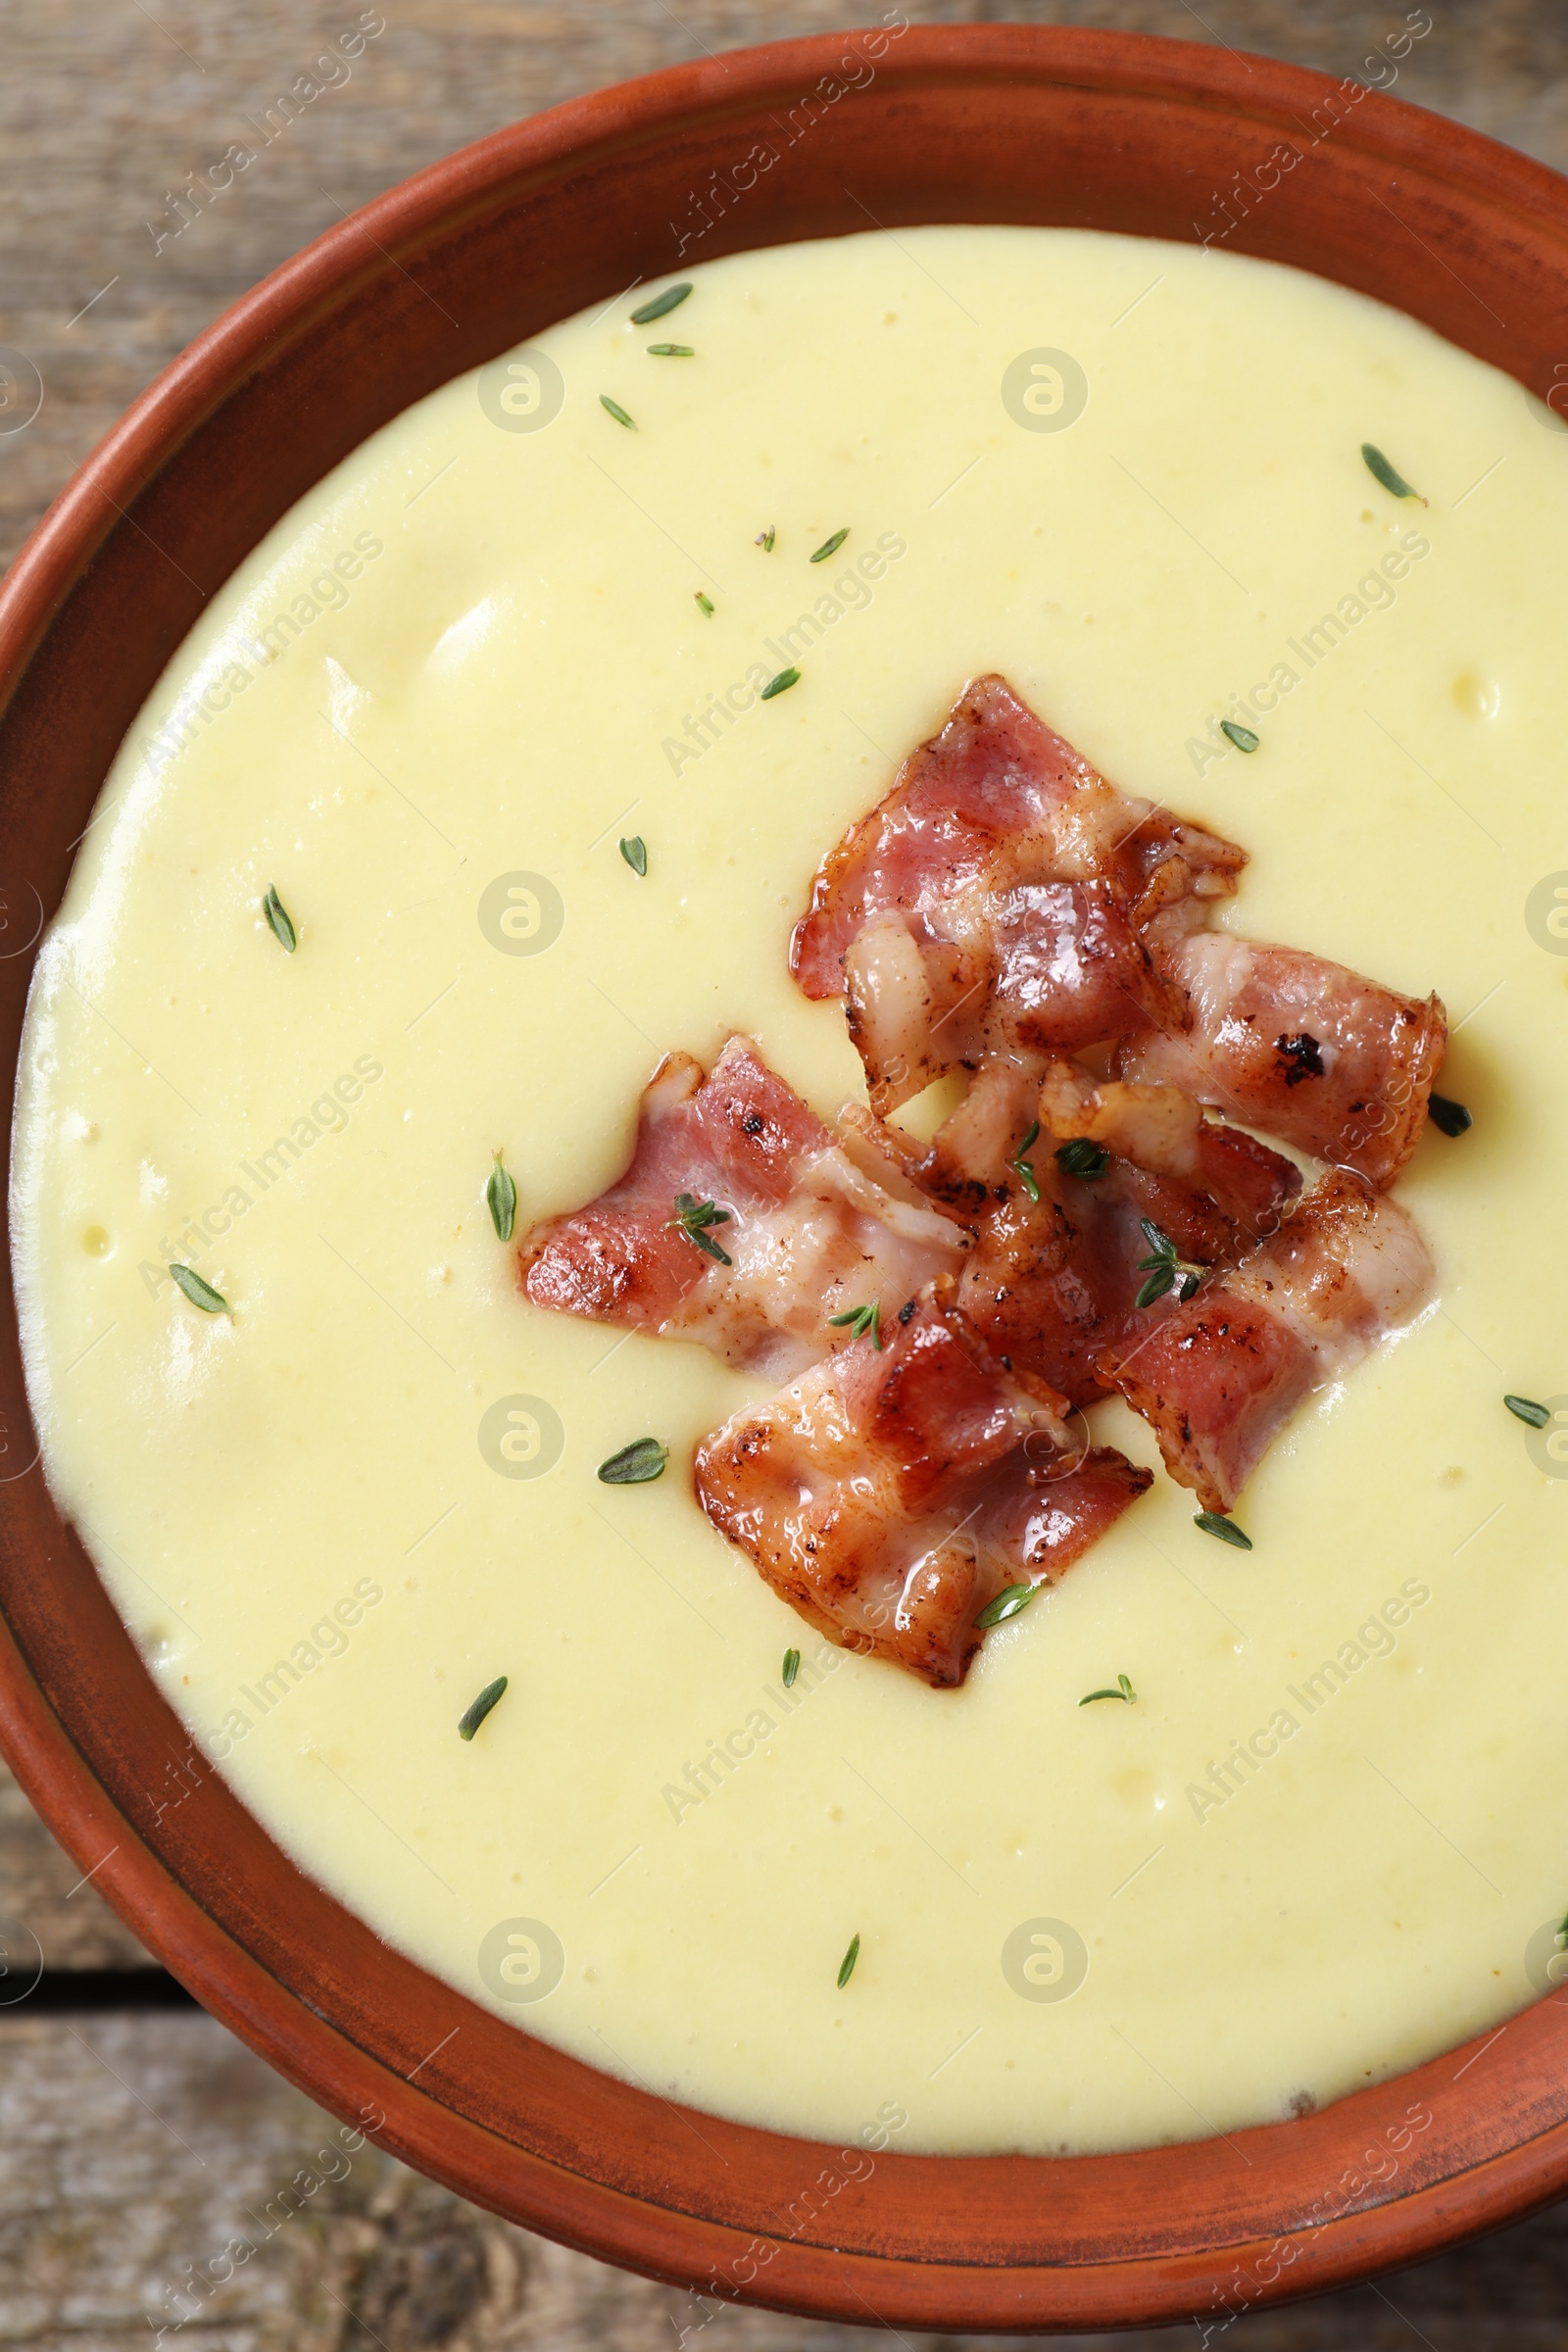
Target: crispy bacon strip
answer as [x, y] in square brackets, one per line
[890, 1496]
[1328, 1061]
[1219, 1378]
[997, 897]
[808, 1231]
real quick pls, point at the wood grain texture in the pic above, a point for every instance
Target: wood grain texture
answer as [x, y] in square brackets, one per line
[132, 2147]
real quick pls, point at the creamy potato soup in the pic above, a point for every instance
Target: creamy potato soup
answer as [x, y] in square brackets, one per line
[486, 712]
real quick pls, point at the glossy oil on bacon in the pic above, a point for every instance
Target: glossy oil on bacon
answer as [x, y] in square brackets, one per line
[808, 1231]
[889, 1495]
[1328, 1061]
[1218, 1377]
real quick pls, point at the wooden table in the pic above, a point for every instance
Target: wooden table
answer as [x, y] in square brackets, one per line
[136, 2137]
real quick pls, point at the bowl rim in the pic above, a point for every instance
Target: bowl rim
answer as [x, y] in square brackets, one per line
[1456, 179]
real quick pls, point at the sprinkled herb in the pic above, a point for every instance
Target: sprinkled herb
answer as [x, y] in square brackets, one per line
[502, 1194]
[612, 408]
[670, 300]
[469, 1723]
[830, 547]
[1123, 1690]
[765, 539]
[200, 1293]
[1215, 1523]
[1452, 1117]
[1021, 1167]
[694, 1217]
[860, 1320]
[1377, 465]
[1536, 1414]
[635, 1466]
[280, 920]
[1164, 1269]
[705, 604]
[1243, 737]
[1007, 1604]
[1080, 1157]
[792, 1667]
[781, 684]
[635, 853]
[847, 1964]
[671, 351]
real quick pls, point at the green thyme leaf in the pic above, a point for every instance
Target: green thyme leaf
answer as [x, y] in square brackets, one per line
[471, 1718]
[662, 304]
[1007, 1604]
[200, 1293]
[693, 1218]
[765, 539]
[1243, 737]
[780, 685]
[1022, 1169]
[1155, 1287]
[1082, 1158]
[1377, 465]
[1452, 1117]
[847, 1964]
[502, 1194]
[792, 1667]
[280, 920]
[705, 604]
[671, 351]
[830, 547]
[635, 853]
[1123, 1690]
[1166, 1271]
[1215, 1523]
[635, 1466]
[860, 1320]
[612, 408]
[1536, 1414]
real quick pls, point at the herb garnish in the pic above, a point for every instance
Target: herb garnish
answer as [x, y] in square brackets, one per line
[830, 547]
[1215, 1523]
[200, 1293]
[1377, 465]
[847, 1964]
[471, 1718]
[1536, 1414]
[635, 853]
[860, 1320]
[502, 1194]
[1164, 1269]
[1452, 1117]
[1021, 1167]
[1007, 1602]
[670, 300]
[1123, 1690]
[780, 685]
[765, 539]
[635, 1466]
[1082, 1158]
[671, 351]
[614, 409]
[705, 604]
[1243, 737]
[279, 921]
[792, 1667]
[694, 1217]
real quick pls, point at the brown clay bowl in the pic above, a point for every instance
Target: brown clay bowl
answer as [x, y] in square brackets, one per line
[979, 124]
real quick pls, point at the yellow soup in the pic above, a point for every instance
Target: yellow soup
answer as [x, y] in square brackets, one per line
[1330, 1836]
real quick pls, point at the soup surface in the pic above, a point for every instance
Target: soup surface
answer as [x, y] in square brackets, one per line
[1328, 1835]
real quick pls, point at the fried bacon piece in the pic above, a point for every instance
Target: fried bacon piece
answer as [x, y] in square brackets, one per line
[1332, 1063]
[1219, 1378]
[806, 1232]
[1000, 897]
[889, 1495]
